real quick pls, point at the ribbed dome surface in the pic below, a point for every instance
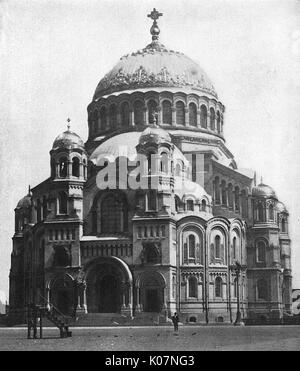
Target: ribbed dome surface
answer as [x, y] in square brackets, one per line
[264, 191]
[154, 66]
[68, 139]
[125, 145]
[25, 202]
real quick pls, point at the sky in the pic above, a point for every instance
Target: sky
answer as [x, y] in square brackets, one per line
[54, 52]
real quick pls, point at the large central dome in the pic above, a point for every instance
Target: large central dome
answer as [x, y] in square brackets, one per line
[154, 66]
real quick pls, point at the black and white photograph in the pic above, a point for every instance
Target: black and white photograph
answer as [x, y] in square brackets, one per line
[150, 178]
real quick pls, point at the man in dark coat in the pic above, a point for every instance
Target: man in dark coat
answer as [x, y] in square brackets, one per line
[175, 320]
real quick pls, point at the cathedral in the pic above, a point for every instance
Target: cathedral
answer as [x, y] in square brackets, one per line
[151, 215]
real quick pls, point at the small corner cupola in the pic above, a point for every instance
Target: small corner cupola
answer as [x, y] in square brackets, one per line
[23, 212]
[263, 190]
[68, 156]
[25, 202]
[281, 208]
[68, 140]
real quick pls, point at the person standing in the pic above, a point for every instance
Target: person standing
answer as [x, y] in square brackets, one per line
[175, 320]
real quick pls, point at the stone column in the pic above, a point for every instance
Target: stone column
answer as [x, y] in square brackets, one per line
[56, 170]
[165, 298]
[123, 296]
[119, 124]
[48, 298]
[129, 305]
[84, 304]
[131, 118]
[173, 116]
[138, 305]
[80, 169]
[159, 115]
[146, 116]
[187, 118]
[198, 119]
[69, 169]
[208, 120]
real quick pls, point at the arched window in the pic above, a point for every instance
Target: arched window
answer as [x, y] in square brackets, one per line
[113, 214]
[203, 205]
[164, 162]
[224, 193]
[230, 196]
[283, 225]
[63, 167]
[260, 212]
[75, 166]
[237, 199]
[234, 248]
[193, 287]
[271, 212]
[138, 109]
[62, 203]
[203, 116]
[178, 170]
[103, 118]
[177, 203]
[167, 112]
[151, 162]
[113, 116]
[244, 204]
[180, 113]
[217, 247]
[192, 246]
[217, 190]
[218, 122]
[151, 200]
[151, 254]
[152, 111]
[218, 287]
[193, 114]
[190, 205]
[262, 289]
[261, 252]
[125, 114]
[212, 119]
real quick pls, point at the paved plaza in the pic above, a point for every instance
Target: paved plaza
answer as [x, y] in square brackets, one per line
[194, 338]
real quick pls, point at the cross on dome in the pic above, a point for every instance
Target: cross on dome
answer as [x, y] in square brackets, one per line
[154, 14]
[68, 126]
[154, 30]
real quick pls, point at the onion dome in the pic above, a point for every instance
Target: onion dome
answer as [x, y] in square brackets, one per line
[263, 190]
[154, 134]
[69, 140]
[281, 207]
[152, 67]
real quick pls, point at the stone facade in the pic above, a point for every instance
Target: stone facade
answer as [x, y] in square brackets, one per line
[205, 240]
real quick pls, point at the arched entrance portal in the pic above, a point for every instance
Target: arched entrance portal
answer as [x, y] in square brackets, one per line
[109, 286]
[109, 294]
[152, 294]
